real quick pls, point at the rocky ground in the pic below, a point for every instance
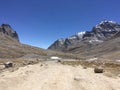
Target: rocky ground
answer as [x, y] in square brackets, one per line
[51, 75]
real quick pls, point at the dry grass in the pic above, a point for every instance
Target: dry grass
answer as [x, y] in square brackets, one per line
[18, 63]
[112, 69]
[10, 48]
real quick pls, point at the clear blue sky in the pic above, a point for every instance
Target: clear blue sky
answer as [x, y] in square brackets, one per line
[41, 22]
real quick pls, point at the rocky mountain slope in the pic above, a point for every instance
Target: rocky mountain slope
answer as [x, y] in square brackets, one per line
[109, 49]
[99, 33]
[103, 39]
[10, 47]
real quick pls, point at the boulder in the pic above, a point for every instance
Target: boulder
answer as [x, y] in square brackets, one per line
[98, 70]
[8, 64]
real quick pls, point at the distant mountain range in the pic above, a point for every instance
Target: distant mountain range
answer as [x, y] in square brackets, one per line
[103, 39]
[11, 47]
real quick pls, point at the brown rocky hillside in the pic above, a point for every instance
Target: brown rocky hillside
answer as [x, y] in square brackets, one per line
[10, 47]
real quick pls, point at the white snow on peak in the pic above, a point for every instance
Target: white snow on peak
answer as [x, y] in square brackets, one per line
[97, 26]
[112, 22]
[81, 33]
[72, 37]
[106, 21]
[61, 40]
[102, 22]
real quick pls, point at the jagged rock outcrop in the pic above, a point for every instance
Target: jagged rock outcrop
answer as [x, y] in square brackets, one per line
[62, 44]
[6, 29]
[99, 33]
[10, 47]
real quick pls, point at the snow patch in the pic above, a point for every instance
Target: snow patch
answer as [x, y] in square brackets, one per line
[55, 58]
[92, 41]
[118, 60]
[72, 37]
[112, 22]
[105, 21]
[81, 33]
[61, 40]
[92, 59]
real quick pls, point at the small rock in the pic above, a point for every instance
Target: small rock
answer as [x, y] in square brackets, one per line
[41, 65]
[84, 67]
[98, 70]
[77, 78]
[8, 64]
[59, 60]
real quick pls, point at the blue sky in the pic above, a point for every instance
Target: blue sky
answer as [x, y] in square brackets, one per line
[41, 22]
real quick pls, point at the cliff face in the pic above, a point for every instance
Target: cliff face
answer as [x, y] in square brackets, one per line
[6, 29]
[101, 32]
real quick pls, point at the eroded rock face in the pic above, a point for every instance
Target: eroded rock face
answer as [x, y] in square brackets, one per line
[62, 44]
[99, 33]
[106, 29]
[7, 30]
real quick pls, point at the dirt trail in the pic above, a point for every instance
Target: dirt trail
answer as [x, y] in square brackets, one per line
[54, 76]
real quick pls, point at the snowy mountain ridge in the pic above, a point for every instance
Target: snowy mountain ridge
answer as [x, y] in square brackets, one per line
[99, 33]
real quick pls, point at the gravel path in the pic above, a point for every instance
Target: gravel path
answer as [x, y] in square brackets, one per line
[54, 76]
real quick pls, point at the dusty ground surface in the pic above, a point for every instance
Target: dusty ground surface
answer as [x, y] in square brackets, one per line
[55, 76]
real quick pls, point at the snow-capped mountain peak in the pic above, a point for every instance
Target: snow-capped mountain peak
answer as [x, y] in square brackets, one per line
[101, 32]
[105, 22]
